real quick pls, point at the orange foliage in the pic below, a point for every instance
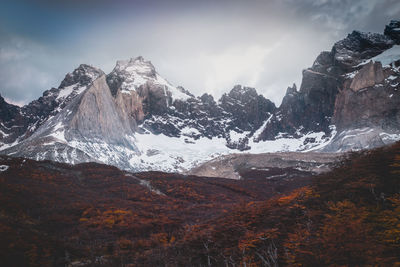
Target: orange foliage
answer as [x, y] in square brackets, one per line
[54, 214]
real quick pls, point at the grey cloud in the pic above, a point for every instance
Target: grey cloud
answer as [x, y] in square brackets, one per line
[26, 68]
[205, 46]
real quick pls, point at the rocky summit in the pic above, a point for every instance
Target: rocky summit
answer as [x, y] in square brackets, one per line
[135, 119]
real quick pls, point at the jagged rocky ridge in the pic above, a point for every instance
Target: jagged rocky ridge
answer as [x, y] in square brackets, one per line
[135, 119]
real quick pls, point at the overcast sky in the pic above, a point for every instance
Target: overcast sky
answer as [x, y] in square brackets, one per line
[205, 46]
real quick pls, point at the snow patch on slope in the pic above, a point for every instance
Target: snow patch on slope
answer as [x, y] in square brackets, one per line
[261, 129]
[146, 184]
[64, 92]
[73, 89]
[160, 152]
[112, 154]
[5, 146]
[309, 142]
[237, 137]
[360, 138]
[175, 92]
[388, 138]
[59, 132]
[3, 168]
[388, 56]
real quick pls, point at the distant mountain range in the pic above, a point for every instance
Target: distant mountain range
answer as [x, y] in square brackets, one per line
[136, 120]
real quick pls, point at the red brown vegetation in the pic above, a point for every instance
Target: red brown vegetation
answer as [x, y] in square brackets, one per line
[347, 217]
[56, 214]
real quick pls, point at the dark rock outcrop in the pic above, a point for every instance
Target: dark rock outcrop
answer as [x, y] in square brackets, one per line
[310, 108]
[247, 108]
[393, 30]
[12, 122]
[358, 46]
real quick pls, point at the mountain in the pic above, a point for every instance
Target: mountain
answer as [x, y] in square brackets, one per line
[19, 123]
[135, 119]
[349, 91]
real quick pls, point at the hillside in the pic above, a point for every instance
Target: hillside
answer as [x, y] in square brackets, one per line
[57, 214]
[347, 217]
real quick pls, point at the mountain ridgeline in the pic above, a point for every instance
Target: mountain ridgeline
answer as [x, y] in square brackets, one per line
[135, 119]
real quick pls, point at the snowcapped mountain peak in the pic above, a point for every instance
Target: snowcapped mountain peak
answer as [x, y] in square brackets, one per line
[129, 75]
[76, 82]
[136, 67]
[83, 75]
[239, 89]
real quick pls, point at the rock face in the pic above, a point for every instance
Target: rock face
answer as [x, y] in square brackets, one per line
[29, 118]
[88, 128]
[311, 108]
[370, 75]
[12, 122]
[359, 46]
[376, 106]
[97, 116]
[135, 119]
[345, 89]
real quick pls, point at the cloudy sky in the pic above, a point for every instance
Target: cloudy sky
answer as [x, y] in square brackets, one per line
[205, 46]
